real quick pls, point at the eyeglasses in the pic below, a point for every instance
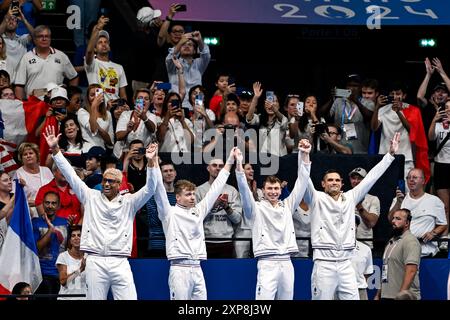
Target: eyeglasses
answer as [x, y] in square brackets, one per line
[413, 177]
[293, 96]
[110, 181]
[215, 165]
[43, 36]
[331, 133]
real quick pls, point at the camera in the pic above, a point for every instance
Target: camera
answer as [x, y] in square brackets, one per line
[321, 128]
[199, 99]
[59, 110]
[139, 104]
[181, 8]
[98, 91]
[270, 96]
[342, 93]
[141, 150]
[300, 108]
[15, 5]
[166, 86]
[175, 104]
[389, 99]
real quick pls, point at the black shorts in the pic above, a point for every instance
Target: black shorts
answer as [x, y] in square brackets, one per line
[441, 176]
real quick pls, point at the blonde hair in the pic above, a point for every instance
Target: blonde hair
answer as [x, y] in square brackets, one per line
[28, 145]
[116, 173]
[183, 184]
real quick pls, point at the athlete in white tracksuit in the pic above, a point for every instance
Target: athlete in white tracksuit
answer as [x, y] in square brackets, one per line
[333, 231]
[185, 236]
[273, 231]
[107, 226]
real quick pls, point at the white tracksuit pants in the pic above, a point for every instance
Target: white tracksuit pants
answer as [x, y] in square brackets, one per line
[186, 282]
[330, 277]
[103, 273]
[275, 280]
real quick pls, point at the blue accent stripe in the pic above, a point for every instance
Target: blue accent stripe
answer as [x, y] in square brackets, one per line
[21, 219]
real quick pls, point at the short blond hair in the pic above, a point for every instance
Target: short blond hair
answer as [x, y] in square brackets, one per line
[181, 185]
[28, 145]
[116, 173]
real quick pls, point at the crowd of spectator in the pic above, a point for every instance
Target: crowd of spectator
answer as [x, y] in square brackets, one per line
[101, 127]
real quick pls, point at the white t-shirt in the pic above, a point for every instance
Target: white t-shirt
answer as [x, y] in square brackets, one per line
[16, 49]
[141, 132]
[390, 125]
[109, 75]
[427, 212]
[441, 133]
[302, 227]
[34, 181]
[372, 205]
[3, 229]
[35, 73]
[362, 263]
[94, 139]
[78, 284]
[175, 140]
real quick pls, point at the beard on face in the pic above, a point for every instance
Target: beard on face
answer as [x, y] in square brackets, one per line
[396, 232]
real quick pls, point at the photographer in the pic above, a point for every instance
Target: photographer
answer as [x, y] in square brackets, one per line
[331, 135]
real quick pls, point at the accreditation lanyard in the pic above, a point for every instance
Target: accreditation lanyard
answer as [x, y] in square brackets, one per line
[349, 112]
[386, 255]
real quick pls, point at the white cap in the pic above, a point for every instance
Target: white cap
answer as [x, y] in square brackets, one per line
[146, 14]
[360, 171]
[59, 92]
[50, 86]
[103, 33]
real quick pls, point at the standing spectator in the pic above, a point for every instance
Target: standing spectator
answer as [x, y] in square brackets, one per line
[16, 46]
[6, 205]
[185, 236]
[224, 216]
[71, 265]
[27, 8]
[333, 230]
[99, 69]
[368, 210]
[427, 211]
[70, 207]
[193, 68]
[273, 229]
[75, 100]
[332, 136]
[50, 233]
[42, 65]
[401, 259]
[31, 175]
[96, 121]
[439, 131]
[157, 247]
[108, 226]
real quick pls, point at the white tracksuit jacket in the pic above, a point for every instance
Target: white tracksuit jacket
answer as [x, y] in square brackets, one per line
[183, 228]
[333, 222]
[272, 227]
[107, 225]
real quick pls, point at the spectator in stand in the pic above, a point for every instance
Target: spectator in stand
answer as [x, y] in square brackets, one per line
[332, 136]
[75, 100]
[138, 124]
[157, 97]
[69, 205]
[6, 204]
[368, 210]
[440, 131]
[31, 175]
[170, 33]
[439, 95]
[194, 68]
[245, 99]
[273, 125]
[93, 174]
[218, 101]
[224, 216]
[406, 119]
[50, 233]
[352, 115]
[175, 133]
[7, 93]
[21, 288]
[201, 117]
[302, 126]
[5, 80]
[95, 120]
[401, 259]
[157, 247]
[16, 45]
[244, 230]
[4, 61]
[427, 211]
[29, 9]
[99, 68]
[71, 265]
[302, 227]
[42, 65]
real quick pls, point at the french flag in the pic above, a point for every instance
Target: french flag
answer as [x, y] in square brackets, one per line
[19, 259]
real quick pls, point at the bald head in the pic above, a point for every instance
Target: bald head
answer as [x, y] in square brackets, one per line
[231, 118]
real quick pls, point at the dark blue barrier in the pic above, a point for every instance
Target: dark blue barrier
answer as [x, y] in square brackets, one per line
[235, 279]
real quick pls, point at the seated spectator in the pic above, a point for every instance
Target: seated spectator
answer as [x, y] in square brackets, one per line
[7, 93]
[21, 288]
[31, 175]
[35, 70]
[70, 207]
[5, 80]
[331, 135]
[175, 133]
[95, 120]
[50, 233]
[71, 265]
[137, 124]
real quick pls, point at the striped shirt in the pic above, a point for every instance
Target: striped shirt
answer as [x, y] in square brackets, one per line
[155, 225]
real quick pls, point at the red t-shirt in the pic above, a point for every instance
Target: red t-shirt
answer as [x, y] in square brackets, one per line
[69, 203]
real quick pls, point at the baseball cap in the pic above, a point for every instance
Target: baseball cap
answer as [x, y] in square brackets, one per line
[58, 92]
[95, 152]
[440, 86]
[244, 93]
[360, 171]
[146, 14]
[103, 33]
[353, 78]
